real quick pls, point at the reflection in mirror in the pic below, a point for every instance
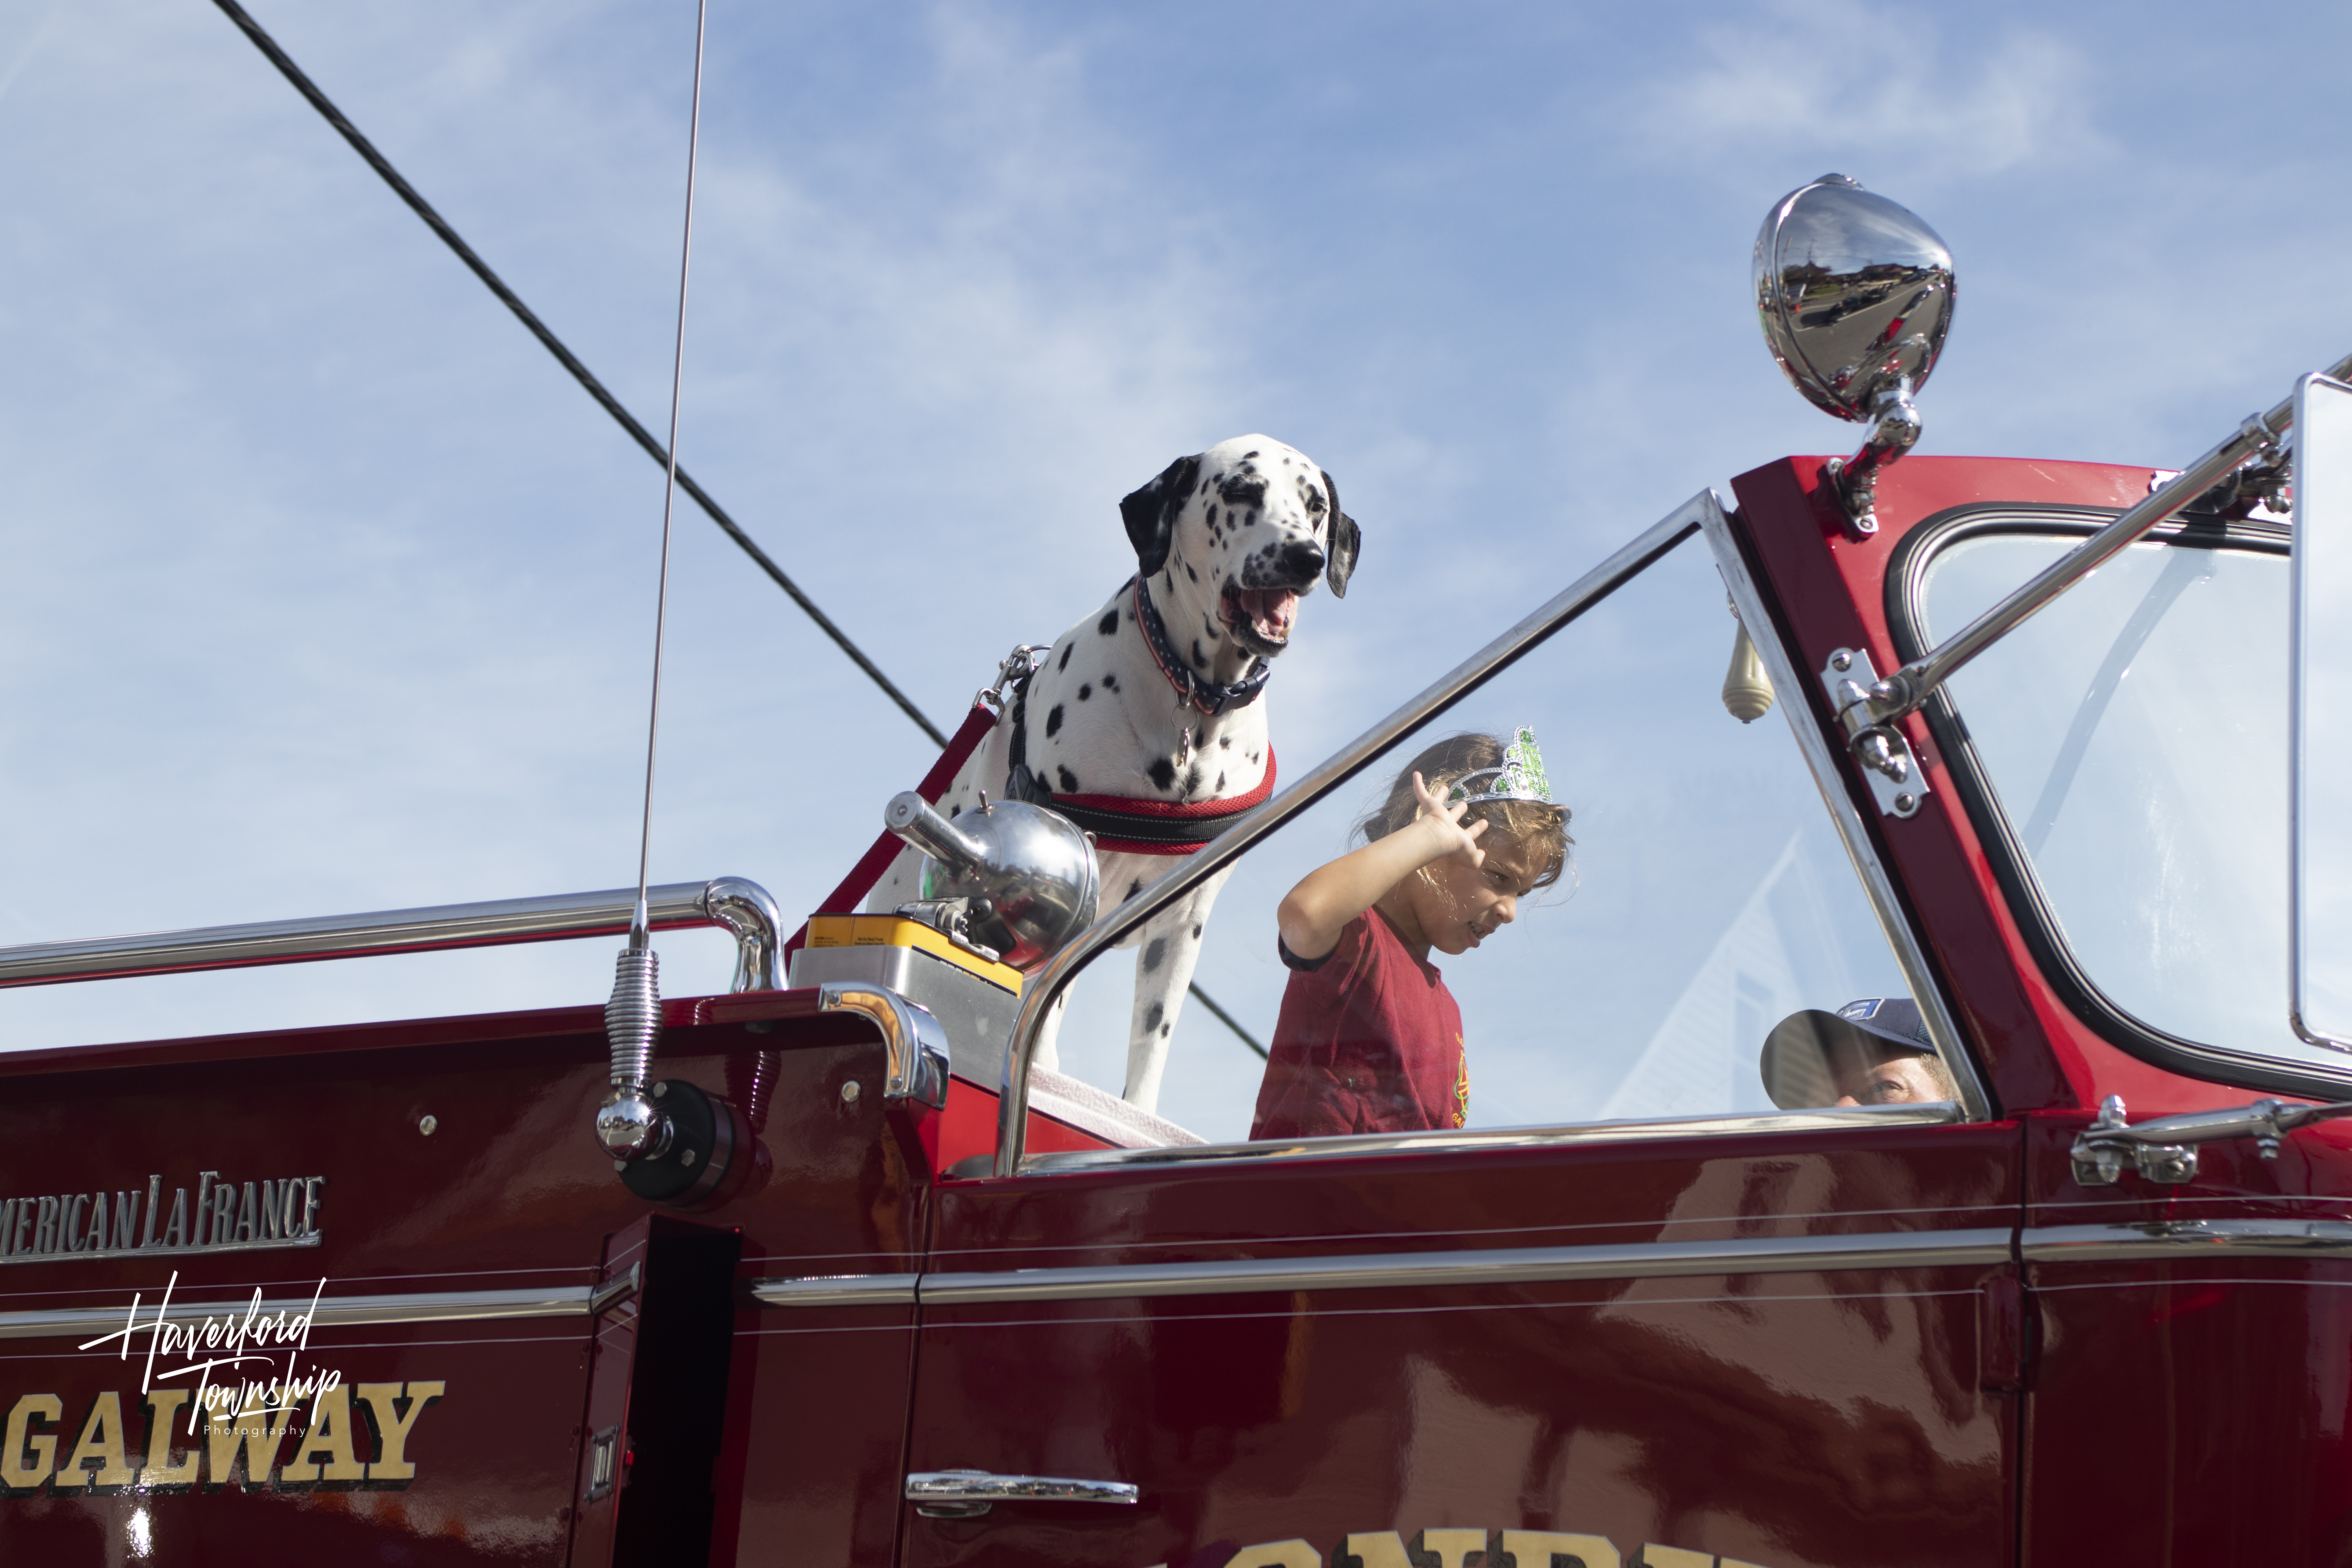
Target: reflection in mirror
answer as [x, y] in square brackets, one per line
[1855, 292]
[1706, 899]
[2322, 812]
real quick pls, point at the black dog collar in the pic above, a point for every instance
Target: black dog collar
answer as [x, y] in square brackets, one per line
[1211, 700]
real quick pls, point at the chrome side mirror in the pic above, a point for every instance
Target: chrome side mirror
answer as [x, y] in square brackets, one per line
[1855, 294]
[2319, 863]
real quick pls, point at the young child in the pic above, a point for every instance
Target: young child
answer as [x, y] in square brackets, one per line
[1370, 1040]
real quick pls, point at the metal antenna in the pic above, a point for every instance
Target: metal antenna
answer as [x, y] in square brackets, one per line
[638, 933]
[628, 1125]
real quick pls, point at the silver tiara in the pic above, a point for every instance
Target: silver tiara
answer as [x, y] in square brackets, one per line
[1520, 776]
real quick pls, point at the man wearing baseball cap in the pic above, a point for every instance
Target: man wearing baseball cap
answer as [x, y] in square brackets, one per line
[1874, 1051]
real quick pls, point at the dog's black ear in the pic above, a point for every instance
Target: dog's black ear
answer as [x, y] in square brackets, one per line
[1151, 512]
[1346, 539]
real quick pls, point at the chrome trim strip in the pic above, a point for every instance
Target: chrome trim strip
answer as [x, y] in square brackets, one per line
[2188, 1238]
[743, 906]
[1796, 691]
[334, 1312]
[1046, 986]
[1937, 1113]
[837, 1291]
[1505, 1266]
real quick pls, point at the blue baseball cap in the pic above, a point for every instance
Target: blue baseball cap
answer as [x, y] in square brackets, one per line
[1806, 1051]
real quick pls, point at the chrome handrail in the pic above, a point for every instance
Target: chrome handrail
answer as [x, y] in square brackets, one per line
[1045, 986]
[744, 908]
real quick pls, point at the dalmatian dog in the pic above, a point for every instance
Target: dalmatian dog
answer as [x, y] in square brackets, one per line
[1146, 722]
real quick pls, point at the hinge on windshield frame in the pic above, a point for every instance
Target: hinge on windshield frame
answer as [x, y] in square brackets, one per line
[1897, 781]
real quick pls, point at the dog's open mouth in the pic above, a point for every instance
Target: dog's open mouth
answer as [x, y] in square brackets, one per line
[1263, 616]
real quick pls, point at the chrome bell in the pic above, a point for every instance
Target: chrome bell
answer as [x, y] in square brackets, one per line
[1009, 876]
[1855, 294]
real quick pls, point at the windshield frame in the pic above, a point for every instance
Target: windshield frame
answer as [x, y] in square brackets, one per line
[2005, 854]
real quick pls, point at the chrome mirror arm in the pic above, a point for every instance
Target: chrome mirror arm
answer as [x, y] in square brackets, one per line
[2164, 1149]
[1894, 430]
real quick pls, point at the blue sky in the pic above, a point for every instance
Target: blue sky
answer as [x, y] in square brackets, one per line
[329, 592]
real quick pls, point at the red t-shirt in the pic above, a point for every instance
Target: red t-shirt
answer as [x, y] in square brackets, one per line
[1370, 1040]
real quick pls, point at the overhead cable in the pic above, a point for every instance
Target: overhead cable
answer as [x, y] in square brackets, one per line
[565, 356]
[595, 388]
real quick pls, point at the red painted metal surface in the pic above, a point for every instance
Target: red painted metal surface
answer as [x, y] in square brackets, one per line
[507, 1191]
[2204, 1398]
[1806, 1417]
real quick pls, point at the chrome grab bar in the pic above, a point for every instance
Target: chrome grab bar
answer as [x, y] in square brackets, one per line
[744, 906]
[1046, 985]
[915, 1049]
[968, 1494]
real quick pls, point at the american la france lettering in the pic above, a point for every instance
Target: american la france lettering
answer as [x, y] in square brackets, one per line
[226, 1216]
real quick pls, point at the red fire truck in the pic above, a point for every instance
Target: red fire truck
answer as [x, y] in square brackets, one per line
[878, 1288]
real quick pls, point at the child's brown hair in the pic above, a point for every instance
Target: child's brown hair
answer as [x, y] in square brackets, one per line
[1531, 822]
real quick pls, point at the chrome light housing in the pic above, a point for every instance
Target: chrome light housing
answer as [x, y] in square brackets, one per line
[1855, 295]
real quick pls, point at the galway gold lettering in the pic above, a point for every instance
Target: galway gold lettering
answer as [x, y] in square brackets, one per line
[324, 1455]
[334, 1443]
[380, 1405]
[163, 1472]
[1653, 1555]
[17, 1475]
[101, 1441]
[232, 1424]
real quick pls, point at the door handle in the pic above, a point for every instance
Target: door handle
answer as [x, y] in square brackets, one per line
[968, 1494]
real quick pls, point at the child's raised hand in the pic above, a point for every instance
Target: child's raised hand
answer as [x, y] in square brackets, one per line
[1444, 824]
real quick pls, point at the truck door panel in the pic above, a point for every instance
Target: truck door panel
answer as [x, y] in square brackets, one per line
[1762, 1345]
[2195, 1357]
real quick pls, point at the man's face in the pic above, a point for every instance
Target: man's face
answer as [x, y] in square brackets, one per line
[1899, 1078]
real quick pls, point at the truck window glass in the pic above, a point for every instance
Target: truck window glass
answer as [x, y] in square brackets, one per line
[1708, 898]
[2132, 739]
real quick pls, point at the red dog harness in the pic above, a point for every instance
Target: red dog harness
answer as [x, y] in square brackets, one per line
[1124, 826]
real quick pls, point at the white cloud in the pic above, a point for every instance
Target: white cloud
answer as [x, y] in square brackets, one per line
[1856, 81]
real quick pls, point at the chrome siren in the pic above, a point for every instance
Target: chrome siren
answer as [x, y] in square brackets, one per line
[1015, 878]
[1855, 294]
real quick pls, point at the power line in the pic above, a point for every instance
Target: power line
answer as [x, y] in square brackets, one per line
[565, 356]
[1230, 1021]
[611, 405]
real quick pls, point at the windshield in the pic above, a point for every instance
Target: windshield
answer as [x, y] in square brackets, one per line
[1706, 899]
[2132, 738]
